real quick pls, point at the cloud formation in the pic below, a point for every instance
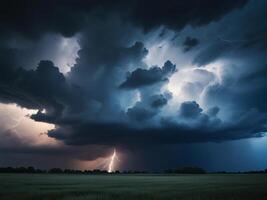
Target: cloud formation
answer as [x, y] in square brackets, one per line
[144, 77]
[112, 96]
[67, 17]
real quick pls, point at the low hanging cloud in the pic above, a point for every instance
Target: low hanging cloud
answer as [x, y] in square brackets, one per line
[170, 132]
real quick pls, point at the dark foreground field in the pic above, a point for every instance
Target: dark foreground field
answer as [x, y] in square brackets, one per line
[138, 187]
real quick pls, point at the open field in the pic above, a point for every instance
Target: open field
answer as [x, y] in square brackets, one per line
[138, 187]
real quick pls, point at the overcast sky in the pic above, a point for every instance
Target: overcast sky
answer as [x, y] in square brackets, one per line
[165, 83]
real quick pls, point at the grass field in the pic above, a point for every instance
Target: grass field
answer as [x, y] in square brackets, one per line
[138, 187]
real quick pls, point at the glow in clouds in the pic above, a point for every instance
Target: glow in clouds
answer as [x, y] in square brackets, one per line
[67, 53]
[190, 82]
[15, 123]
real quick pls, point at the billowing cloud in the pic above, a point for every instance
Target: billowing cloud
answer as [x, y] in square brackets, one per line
[111, 96]
[146, 77]
[44, 89]
[190, 109]
[171, 131]
[68, 17]
[148, 107]
[160, 100]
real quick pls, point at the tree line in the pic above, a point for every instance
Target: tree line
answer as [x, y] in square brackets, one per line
[179, 170]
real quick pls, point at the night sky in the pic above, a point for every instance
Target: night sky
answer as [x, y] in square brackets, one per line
[165, 83]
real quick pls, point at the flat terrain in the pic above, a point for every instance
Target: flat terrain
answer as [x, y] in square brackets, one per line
[138, 187]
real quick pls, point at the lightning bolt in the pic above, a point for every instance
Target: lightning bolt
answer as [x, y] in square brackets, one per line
[111, 162]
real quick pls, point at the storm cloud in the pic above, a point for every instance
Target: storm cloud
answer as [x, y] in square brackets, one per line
[208, 84]
[68, 17]
[143, 77]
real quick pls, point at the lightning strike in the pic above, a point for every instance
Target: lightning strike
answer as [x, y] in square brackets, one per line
[111, 162]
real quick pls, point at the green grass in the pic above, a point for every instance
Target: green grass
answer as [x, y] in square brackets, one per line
[137, 187]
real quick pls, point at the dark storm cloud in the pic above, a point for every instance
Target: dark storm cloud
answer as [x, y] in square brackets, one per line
[246, 89]
[43, 88]
[140, 113]
[190, 109]
[87, 104]
[244, 47]
[170, 132]
[33, 18]
[159, 100]
[190, 43]
[146, 77]
[177, 14]
[248, 34]
[148, 107]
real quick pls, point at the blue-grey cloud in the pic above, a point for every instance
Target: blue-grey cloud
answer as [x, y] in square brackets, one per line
[146, 77]
[190, 109]
[112, 97]
[190, 43]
